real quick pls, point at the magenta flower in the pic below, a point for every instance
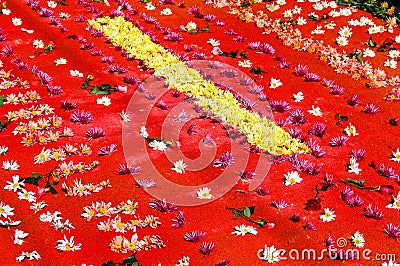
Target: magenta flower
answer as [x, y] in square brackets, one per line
[336, 90]
[371, 109]
[394, 121]
[315, 149]
[358, 154]
[300, 70]
[262, 191]
[392, 231]
[87, 46]
[95, 133]
[254, 45]
[107, 150]
[162, 105]
[124, 169]
[327, 182]
[145, 183]
[338, 141]
[329, 242]
[44, 78]
[388, 172]
[54, 90]
[267, 49]
[225, 160]
[206, 248]
[295, 217]
[7, 50]
[312, 77]
[68, 105]
[162, 205]
[194, 236]
[297, 117]
[179, 221]
[373, 212]
[353, 100]
[279, 106]
[82, 117]
[280, 204]
[97, 52]
[107, 59]
[309, 226]
[117, 69]
[210, 17]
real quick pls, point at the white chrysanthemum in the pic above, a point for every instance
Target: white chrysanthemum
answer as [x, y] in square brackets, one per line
[166, 12]
[191, 26]
[394, 54]
[179, 167]
[76, 73]
[368, 53]
[275, 83]
[301, 21]
[342, 41]
[396, 203]
[292, 178]
[345, 32]
[353, 166]
[396, 156]
[67, 244]
[204, 193]
[213, 42]
[15, 185]
[315, 110]
[270, 254]
[60, 61]
[38, 44]
[390, 63]
[328, 215]
[244, 63]
[358, 240]
[16, 21]
[106, 101]
[243, 229]
[143, 132]
[158, 145]
[350, 130]
[298, 97]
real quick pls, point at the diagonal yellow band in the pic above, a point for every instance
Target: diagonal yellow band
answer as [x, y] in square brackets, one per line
[259, 131]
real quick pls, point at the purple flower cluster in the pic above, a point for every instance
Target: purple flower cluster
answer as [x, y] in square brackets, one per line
[162, 205]
[225, 160]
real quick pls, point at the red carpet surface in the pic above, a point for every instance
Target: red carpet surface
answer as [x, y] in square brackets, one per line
[282, 147]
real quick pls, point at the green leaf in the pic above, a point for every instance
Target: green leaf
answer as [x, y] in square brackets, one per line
[2, 99]
[4, 5]
[131, 261]
[36, 175]
[344, 118]
[246, 212]
[2, 126]
[252, 208]
[236, 214]
[31, 180]
[108, 263]
[243, 54]
[53, 190]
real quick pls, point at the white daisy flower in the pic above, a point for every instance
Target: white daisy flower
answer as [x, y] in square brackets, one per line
[390, 63]
[353, 166]
[76, 73]
[179, 167]
[292, 178]
[166, 12]
[38, 44]
[390, 263]
[150, 6]
[350, 130]
[394, 54]
[106, 101]
[64, 15]
[396, 156]
[204, 193]
[6, 210]
[213, 42]
[270, 254]
[51, 4]
[318, 30]
[358, 240]
[3, 150]
[10, 165]
[396, 203]
[6, 11]
[287, 13]
[18, 236]
[368, 53]
[158, 145]
[275, 83]
[281, 2]
[301, 21]
[328, 215]
[143, 132]
[342, 41]
[298, 97]
[15, 185]
[60, 61]
[67, 244]
[353, 22]
[38, 206]
[345, 32]
[125, 117]
[243, 229]
[16, 21]
[244, 63]
[272, 7]
[34, 255]
[26, 195]
[296, 10]
[397, 39]
[191, 26]
[330, 25]
[315, 111]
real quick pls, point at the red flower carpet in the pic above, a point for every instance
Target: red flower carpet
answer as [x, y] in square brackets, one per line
[199, 133]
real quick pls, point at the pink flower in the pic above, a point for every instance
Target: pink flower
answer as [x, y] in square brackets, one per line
[122, 88]
[216, 51]
[40, 192]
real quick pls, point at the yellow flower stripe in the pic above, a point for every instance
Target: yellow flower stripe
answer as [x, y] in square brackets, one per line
[259, 131]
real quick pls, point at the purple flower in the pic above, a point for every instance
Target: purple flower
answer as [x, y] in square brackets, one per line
[281, 204]
[394, 121]
[373, 212]
[371, 109]
[300, 70]
[327, 182]
[220, 23]
[315, 149]
[145, 183]
[309, 226]
[107, 59]
[82, 117]
[80, 18]
[44, 78]
[262, 191]
[125, 169]
[162, 105]
[244, 174]
[95, 132]
[116, 13]
[225, 160]
[296, 133]
[87, 46]
[192, 130]
[359, 154]
[54, 21]
[195, 11]
[7, 50]
[131, 80]
[262, 97]
[97, 52]
[208, 139]
[254, 45]
[124, 5]
[392, 231]
[199, 56]
[278, 159]
[280, 122]
[388, 172]
[179, 221]
[353, 100]
[297, 117]
[230, 32]
[336, 90]
[210, 17]
[206, 248]
[329, 242]
[194, 236]
[328, 83]
[117, 69]
[107, 150]
[338, 141]
[23, 66]
[222, 263]
[246, 81]
[162, 205]
[355, 201]
[167, 2]
[54, 90]
[346, 193]
[44, 12]
[150, 20]
[68, 105]
[285, 64]
[267, 49]
[239, 39]
[295, 217]
[279, 106]
[312, 77]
